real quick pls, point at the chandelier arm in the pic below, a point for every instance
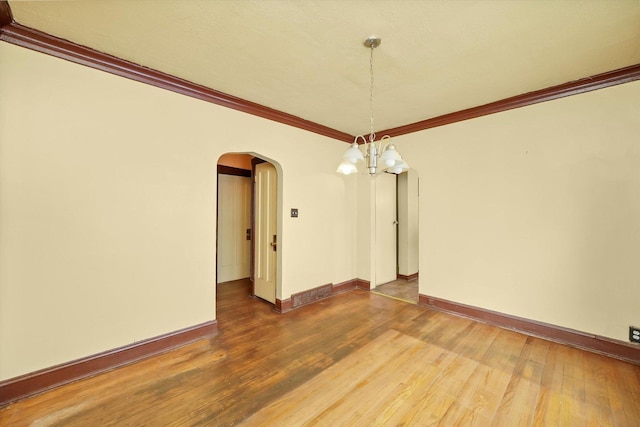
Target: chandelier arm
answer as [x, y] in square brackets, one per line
[364, 144]
[358, 137]
[384, 145]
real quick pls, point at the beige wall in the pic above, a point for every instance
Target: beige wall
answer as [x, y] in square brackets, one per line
[535, 212]
[107, 210]
[365, 223]
[108, 205]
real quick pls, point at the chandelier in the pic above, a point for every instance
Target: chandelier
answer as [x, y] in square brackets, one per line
[374, 151]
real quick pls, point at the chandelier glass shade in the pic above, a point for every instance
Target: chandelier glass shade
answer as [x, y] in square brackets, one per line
[382, 151]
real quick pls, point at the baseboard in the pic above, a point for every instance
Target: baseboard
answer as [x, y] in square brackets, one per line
[37, 382]
[363, 284]
[311, 295]
[282, 306]
[350, 285]
[594, 343]
[319, 293]
[345, 286]
[409, 277]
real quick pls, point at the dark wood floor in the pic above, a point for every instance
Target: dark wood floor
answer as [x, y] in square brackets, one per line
[259, 356]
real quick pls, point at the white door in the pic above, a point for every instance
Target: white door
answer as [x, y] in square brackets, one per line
[386, 226]
[266, 243]
[234, 219]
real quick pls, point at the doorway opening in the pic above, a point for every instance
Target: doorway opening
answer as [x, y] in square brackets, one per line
[397, 236]
[247, 213]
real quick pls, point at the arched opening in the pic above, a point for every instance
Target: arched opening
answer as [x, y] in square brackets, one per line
[248, 220]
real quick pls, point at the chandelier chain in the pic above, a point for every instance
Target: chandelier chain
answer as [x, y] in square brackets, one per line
[372, 135]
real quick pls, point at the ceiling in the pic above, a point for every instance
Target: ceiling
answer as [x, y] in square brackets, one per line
[306, 57]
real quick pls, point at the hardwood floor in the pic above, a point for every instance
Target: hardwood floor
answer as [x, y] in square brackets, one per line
[354, 359]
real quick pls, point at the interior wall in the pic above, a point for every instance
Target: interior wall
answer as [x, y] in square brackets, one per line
[534, 212]
[365, 213]
[108, 209]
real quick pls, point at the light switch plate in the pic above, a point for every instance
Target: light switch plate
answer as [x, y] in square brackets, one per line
[294, 213]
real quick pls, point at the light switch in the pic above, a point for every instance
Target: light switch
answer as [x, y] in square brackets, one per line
[294, 213]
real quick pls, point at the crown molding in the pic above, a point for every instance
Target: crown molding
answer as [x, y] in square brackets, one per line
[576, 87]
[36, 40]
[6, 17]
[20, 35]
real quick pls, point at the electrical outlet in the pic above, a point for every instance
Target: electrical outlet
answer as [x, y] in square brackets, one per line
[634, 334]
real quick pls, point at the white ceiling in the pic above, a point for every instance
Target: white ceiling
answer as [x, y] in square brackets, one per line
[306, 58]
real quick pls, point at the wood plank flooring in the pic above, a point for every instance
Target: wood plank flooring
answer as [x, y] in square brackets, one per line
[354, 359]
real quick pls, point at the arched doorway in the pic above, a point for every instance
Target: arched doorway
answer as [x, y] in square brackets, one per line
[248, 223]
[234, 229]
